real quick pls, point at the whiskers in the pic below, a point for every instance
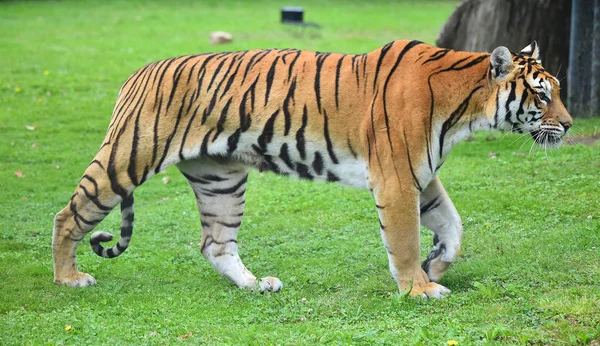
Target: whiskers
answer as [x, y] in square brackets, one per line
[570, 137]
[540, 140]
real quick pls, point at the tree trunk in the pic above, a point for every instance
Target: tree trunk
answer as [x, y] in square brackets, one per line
[482, 25]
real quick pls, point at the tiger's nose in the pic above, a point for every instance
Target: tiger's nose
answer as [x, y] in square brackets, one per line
[566, 125]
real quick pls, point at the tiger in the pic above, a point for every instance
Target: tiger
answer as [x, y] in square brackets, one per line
[383, 121]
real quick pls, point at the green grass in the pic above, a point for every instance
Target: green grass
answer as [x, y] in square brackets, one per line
[528, 271]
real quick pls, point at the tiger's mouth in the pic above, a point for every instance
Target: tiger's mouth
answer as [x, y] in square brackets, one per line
[548, 138]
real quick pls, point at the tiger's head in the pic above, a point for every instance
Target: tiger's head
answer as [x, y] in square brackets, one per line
[528, 96]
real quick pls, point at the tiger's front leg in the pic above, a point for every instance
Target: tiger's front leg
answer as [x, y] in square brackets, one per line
[440, 216]
[399, 220]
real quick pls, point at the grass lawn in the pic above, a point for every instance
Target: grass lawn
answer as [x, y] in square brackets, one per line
[528, 272]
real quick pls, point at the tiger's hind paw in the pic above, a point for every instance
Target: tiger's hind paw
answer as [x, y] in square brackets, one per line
[270, 284]
[76, 280]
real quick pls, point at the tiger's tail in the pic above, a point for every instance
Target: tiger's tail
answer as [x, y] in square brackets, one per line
[127, 215]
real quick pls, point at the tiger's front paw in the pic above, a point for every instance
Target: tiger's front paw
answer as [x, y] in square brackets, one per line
[270, 284]
[430, 290]
[76, 280]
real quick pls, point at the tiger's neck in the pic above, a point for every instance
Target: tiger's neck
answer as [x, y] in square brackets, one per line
[468, 107]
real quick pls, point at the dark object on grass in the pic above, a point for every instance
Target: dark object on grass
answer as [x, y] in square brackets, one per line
[295, 16]
[292, 15]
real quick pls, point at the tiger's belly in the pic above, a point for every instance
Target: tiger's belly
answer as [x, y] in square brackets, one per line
[285, 155]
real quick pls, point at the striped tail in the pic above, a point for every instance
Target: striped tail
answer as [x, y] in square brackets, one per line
[127, 215]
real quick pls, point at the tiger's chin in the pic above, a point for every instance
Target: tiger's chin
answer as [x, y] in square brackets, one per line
[546, 139]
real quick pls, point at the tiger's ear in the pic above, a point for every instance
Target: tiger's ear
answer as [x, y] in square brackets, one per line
[501, 63]
[532, 50]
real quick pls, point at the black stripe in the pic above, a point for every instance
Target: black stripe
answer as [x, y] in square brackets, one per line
[286, 110]
[455, 117]
[239, 194]
[97, 162]
[211, 177]
[364, 58]
[131, 169]
[262, 57]
[249, 64]
[233, 140]
[318, 163]
[320, 60]
[352, 151]
[521, 110]
[210, 240]
[155, 131]
[230, 225]
[194, 179]
[302, 170]
[204, 146]
[337, 81]
[202, 73]
[124, 100]
[245, 119]
[270, 78]
[433, 255]
[432, 204]
[328, 139]
[410, 165]
[267, 135]
[126, 203]
[437, 56]
[497, 108]
[227, 72]
[215, 73]
[160, 80]
[300, 141]
[229, 190]
[232, 77]
[186, 133]
[285, 156]
[172, 135]
[511, 97]
[222, 120]
[369, 148]
[208, 110]
[121, 248]
[355, 68]
[135, 94]
[112, 171]
[78, 216]
[332, 177]
[176, 75]
[93, 198]
[373, 128]
[384, 51]
[453, 67]
[292, 65]
[189, 78]
[409, 46]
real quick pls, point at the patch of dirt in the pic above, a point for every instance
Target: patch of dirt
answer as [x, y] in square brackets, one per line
[585, 140]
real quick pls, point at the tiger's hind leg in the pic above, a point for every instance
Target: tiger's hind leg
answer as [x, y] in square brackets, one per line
[440, 216]
[220, 189]
[93, 199]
